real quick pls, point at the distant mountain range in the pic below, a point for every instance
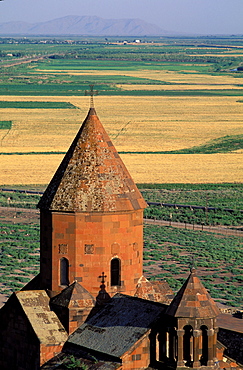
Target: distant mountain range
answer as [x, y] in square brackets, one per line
[83, 25]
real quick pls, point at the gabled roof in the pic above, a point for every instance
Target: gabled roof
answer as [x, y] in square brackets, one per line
[46, 325]
[74, 294]
[92, 176]
[117, 326]
[193, 300]
[157, 291]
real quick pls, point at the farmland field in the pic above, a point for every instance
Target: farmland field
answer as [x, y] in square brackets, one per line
[156, 100]
[176, 123]
[167, 255]
[221, 204]
[172, 107]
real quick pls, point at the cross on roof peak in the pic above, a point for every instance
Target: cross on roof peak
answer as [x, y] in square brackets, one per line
[193, 265]
[91, 92]
[103, 277]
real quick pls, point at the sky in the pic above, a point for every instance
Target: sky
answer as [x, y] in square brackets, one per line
[183, 16]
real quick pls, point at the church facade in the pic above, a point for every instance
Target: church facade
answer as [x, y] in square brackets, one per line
[91, 307]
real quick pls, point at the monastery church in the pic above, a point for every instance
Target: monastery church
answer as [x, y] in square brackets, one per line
[90, 307]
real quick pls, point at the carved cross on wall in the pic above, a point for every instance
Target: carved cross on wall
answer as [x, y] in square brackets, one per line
[91, 92]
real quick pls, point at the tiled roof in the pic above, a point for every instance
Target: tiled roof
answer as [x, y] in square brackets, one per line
[74, 294]
[228, 322]
[46, 325]
[117, 326]
[157, 291]
[193, 300]
[92, 176]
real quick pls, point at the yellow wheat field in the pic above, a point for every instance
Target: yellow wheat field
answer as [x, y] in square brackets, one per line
[161, 75]
[155, 168]
[176, 87]
[134, 124]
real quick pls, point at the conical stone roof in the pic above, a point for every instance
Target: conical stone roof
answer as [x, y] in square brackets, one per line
[92, 176]
[193, 300]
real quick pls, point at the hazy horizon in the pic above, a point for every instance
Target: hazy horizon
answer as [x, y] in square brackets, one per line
[180, 16]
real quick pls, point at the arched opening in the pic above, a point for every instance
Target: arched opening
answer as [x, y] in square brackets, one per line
[188, 345]
[163, 345]
[115, 271]
[172, 343]
[204, 357]
[64, 272]
[167, 345]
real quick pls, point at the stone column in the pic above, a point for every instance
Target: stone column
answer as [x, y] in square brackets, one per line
[215, 342]
[211, 345]
[180, 334]
[196, 348]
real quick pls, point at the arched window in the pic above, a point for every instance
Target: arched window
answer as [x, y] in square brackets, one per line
[188, 345]
[204, 358]
[115, 272]
[64, 271]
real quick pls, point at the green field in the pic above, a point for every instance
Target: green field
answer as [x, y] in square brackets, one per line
[168, 251]
[224, 144]
[5, 125]
[49, 76]
[36, 105]
[19, 256]
[219, 196]
[167, 255]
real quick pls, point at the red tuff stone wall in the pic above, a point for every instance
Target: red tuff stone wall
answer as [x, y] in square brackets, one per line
[89, 241]
[138, 357]
[76, 318]
[47, 352]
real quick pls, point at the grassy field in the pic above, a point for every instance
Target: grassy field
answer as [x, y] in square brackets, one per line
[35, 105]
[226, 199]
[19, 256]
[167, 255]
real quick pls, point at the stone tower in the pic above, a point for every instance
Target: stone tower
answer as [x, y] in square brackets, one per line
[91, 218]
[190, 334]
